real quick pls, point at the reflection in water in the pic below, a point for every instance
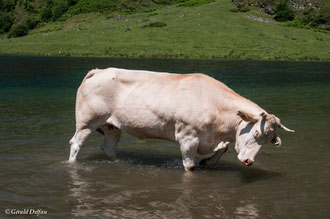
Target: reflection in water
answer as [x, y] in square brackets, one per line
[181, 206]
[188, 195]
[249, 211]
[79, 192]
[128, 200]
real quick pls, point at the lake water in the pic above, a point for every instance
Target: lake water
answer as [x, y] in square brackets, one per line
[37, 97]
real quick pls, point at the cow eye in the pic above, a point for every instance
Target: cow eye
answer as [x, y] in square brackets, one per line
[268, 131]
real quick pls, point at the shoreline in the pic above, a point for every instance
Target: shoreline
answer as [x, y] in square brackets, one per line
[164, 57]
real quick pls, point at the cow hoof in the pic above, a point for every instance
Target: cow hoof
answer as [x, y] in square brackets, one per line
[71, 161]
[190, 168]
[112, 159]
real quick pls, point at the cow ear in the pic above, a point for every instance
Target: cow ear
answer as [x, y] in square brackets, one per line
[248, 117]
[276, 141]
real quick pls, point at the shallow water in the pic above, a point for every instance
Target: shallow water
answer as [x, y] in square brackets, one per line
[37, 96]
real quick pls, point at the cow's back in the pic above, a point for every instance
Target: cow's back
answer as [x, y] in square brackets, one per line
[150, 105]
[146, 104]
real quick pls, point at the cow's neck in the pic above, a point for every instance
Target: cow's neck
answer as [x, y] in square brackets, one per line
[231, 104]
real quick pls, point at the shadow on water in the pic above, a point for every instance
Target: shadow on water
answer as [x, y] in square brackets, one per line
[247, 174]
[170, 161]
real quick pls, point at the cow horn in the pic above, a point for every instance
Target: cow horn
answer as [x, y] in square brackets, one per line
[285, 128]
[278, 121]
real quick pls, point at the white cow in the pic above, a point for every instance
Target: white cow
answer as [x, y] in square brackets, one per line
[200, 113]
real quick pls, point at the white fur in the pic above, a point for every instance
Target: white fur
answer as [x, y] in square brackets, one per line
[195, 110]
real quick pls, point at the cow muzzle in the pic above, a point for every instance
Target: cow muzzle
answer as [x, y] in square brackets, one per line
[247, 162]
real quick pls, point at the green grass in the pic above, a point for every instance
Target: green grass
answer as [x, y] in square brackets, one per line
[206, 31]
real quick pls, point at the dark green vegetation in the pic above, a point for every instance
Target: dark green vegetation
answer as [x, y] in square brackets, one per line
[191, 3]
[6, 22]
[33, 13]
[155, 24]
[283, 11]
[18, 30]
[241, 6]
[301, 13]
[166, 28]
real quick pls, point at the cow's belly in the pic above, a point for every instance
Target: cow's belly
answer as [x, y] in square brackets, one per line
[143, 125]
[147, 133]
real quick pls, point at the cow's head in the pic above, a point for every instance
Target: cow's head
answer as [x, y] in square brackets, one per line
[255, 131]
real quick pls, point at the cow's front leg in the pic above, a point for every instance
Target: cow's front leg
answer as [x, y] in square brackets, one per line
[213, 161]
[188, 148]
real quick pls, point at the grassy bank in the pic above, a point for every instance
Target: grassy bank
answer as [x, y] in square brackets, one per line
[206, 31]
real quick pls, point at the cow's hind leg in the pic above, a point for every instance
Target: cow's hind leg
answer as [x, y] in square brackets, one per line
[111, 138]
[77, 142]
